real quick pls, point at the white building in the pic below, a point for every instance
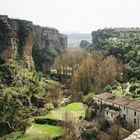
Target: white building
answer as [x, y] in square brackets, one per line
[110, 114]
[129, 109]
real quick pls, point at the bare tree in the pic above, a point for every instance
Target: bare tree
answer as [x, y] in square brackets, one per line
[66, 63]
[54, 94]
[108, 72]
[94, 73]
[68, 126]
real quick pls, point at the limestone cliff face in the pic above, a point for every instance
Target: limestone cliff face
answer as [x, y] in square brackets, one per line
[16, 39]
[8, 45]
[48, 43]
[36, 46]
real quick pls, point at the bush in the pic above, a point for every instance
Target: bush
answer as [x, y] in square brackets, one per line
[108, 88]
[88, 97]
[89, 134]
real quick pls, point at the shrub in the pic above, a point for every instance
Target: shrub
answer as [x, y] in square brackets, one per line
[89, 134]
[88, 97]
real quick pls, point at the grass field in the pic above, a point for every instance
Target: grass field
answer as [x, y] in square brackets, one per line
[75, 110]
[40, 131]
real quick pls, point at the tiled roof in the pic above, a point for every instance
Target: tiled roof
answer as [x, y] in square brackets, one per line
[105, 96]
[123, 101]
[134, 105]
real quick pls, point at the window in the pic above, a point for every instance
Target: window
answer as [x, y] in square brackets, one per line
[106, 112]
[111, 115]
[124, 108]
[134, 121]
[124, 116]
[135, 113]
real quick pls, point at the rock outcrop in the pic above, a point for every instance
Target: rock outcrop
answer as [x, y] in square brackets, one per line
[22, 40]
[16, 39]
[48, 43]
[84, 44]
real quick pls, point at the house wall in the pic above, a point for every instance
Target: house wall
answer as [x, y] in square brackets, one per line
[131, 116]
[110, 116]
[125, 112]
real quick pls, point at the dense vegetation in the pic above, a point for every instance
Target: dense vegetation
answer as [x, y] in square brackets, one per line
[124, 44]
[111, 64]
[23, 93]
[85, 72]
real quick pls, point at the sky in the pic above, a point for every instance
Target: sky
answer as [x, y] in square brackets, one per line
[75, 15]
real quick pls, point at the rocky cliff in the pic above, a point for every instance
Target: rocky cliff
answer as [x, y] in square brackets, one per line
[48, 43]
[36, 46]
[84, 44]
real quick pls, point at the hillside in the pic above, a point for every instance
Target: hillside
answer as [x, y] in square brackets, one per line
[23, 93]
[124, 44]
[27, 52]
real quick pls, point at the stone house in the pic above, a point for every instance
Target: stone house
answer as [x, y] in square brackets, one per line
[110, 114]
[126, 108]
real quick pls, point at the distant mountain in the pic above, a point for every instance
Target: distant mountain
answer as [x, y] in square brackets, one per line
[74, 39]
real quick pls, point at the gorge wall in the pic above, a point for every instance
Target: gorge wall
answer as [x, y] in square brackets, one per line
[114, 34]
[36, 46]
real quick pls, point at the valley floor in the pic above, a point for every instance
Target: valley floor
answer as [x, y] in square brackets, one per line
[41, 131]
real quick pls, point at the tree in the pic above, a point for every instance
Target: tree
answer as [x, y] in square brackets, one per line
[68, 126]
[95, 72]
[124, 44]
[108, 72]
[84, 44]
[54, 95]
[67, 62]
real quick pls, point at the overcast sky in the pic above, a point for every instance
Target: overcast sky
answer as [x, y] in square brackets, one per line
[75, 15]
